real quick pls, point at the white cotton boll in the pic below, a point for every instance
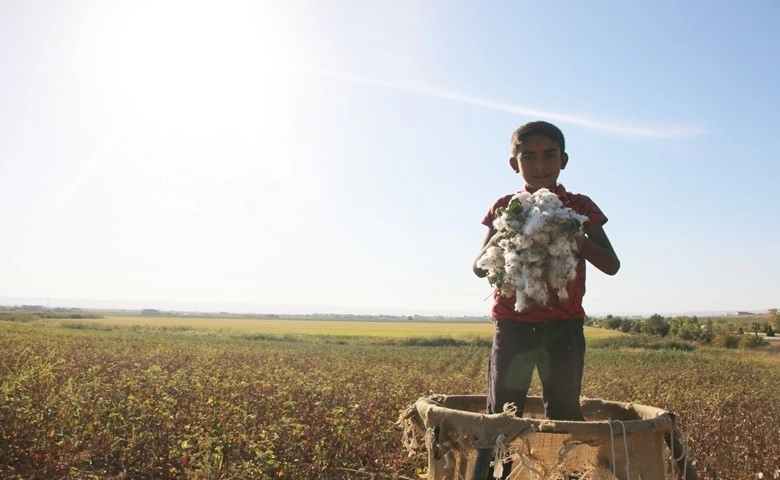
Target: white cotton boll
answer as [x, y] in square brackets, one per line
[580, 218]
[513, 257]
[558, 282]
[534, 222]
[514, 272]
[524, 242]
[562, 293]
[514, 224]
[571, 267]
[539, 194]
[558, 247]
[507, 244]
[543, 206]
[556, 269]
[532, 275]
[547, 201]
[501, 222]
[561, 214]
[490, 255]
[534, 254]
[522, 196]
[544, 237]
[559, 218]
[536, 292]
[517, 281]
[492, 259]
[521, 302]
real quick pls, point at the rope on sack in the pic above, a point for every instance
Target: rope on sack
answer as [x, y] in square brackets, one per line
[625, 446]
[671, 453]
[503, 453]
[683, 452]
[500, 454]
[431, 442]
[612, 445]
[449, 461]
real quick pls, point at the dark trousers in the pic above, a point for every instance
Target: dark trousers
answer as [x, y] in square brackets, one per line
[556, 349]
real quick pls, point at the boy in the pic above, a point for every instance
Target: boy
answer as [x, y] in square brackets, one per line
[547, 337]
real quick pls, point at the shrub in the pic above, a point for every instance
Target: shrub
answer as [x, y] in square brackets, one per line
[725, 340]
[648, 342]
[751, 341]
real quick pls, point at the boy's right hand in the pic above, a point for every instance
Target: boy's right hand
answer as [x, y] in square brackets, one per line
[491, 240]
[497, 237]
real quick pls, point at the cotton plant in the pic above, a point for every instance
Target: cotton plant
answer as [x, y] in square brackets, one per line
[536, 254]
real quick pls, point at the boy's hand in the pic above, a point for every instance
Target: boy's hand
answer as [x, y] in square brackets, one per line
[580, 240]
[596, 248]
[491, 240]
[497, 237]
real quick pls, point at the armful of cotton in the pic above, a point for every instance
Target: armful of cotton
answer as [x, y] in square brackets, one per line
[537, 254]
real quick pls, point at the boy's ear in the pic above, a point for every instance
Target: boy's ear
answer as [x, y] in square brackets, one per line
[564, 160]
[514, 165]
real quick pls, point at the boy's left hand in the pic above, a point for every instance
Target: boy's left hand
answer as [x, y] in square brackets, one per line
[594, 246]
[580, 240]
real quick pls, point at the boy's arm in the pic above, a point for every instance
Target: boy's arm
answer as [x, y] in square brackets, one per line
[490, 239]
[597, 249]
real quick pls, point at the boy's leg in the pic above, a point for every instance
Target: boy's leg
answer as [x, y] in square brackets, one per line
[561, 368]
[482, 470]
[511, 366]
[516, 347]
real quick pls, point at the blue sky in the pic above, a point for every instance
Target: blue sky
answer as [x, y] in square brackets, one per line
[340, 155]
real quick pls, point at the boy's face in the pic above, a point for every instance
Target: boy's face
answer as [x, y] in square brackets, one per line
[540, 161]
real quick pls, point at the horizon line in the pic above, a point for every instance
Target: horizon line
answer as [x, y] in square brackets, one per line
[251, 308]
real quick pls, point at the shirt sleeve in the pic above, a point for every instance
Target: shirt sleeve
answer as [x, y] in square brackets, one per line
[585, 206]
[491, 214]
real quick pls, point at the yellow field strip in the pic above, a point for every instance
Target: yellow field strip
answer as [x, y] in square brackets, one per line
[311, 327]
[392, 329]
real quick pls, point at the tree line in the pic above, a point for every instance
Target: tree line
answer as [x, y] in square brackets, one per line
[707, 331]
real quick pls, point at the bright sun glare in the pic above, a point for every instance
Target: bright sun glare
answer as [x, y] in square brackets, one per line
[196, 66]
[201, 85]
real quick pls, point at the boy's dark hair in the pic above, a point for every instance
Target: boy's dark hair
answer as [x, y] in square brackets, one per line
[537, 128]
